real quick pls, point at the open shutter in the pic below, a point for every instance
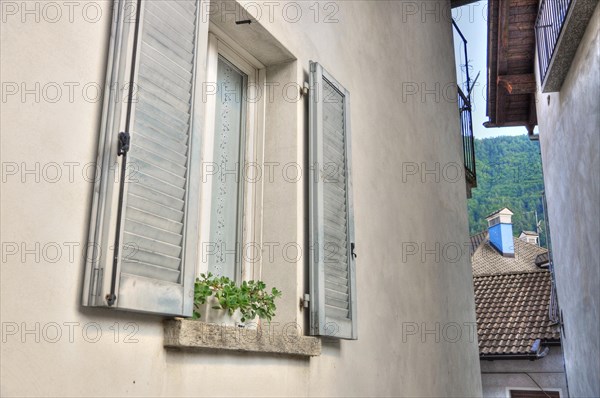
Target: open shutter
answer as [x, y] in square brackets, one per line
[144, 234]
[332, 265]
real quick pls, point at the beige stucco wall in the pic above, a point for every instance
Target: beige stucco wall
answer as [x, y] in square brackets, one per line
[409, 304]
[500, 376]
[568, 122]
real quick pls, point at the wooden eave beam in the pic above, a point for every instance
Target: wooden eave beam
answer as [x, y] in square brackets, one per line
[517, 84]
[502, 58]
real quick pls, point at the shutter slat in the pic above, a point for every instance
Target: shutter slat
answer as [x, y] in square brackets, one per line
[155, 196]
[150, 144]
[150, 271]
[168, 33]
[165, 14]
[171, 138]
[175, 55]
[163, 101]
[335, 312]
[332, 199]
[154, 258]
[159, 185]
[337, 257]
[334, 271]
[337, 303]
[340, 288]
[158, 67]
[160, 42]
[154, 220]
[333, 136]
[162, 121]
[163, 63]
[164, 78]
[151, 232]
[157, 172]
[185, 7]
[158, 159]
[333, 154]
[336, 294]
[150, 206]
[151, 245]
[334, 234]
[335, 280]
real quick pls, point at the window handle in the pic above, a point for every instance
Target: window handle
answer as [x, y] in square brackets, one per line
[352, 247]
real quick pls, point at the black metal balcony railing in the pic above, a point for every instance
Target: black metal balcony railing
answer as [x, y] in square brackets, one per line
[466, 122]
[466, 127]
[553, 309]
[548, 25]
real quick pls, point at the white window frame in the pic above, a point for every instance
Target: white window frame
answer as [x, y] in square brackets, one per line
[252, 146]
[509, 389]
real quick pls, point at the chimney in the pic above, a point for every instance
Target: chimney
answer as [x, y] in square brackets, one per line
[500, 231]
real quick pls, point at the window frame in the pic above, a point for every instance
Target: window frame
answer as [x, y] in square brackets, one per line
[510, 390]
[252, 147]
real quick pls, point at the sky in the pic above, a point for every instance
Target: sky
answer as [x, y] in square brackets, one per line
[472, 21]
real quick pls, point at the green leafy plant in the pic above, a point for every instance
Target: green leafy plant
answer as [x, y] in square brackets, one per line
[251, 297]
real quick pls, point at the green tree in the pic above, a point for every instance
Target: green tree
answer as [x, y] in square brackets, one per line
[509, 174]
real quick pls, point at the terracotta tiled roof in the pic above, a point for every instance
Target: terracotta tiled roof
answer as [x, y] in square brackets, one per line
[488, 261]
[477, 239]
[512, 312]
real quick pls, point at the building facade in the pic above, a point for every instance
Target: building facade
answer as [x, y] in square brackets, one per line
[74, 76]
[569, 118]
[543, 64]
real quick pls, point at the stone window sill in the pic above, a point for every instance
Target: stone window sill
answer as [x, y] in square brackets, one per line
[189, 335]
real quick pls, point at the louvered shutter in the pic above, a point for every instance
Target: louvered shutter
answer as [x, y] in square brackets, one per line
[332, 263]
[151, 218]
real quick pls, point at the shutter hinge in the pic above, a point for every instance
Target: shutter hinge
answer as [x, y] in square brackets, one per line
[304, 301]
[304, 90]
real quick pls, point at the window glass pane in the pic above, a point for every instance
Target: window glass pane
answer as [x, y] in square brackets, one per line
[226, 200]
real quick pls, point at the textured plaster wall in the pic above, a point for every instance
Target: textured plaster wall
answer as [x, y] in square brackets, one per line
[569, 123]
[548, 372]
[416, 312]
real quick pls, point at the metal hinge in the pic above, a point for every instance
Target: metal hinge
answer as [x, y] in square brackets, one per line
[305, 89]
[304, 302]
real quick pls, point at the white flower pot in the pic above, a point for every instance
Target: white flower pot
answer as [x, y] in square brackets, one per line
[219, 316]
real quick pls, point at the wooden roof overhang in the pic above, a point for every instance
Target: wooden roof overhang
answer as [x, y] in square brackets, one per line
[511, 83]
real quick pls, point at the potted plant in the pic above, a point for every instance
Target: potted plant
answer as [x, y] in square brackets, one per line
[220, 300]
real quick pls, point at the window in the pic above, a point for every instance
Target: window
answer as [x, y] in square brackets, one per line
[534, 394]
[186, 201]
[231, 141]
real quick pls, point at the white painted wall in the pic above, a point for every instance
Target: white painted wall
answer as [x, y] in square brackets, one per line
[499, 376]
[569, 122]
[408, 304]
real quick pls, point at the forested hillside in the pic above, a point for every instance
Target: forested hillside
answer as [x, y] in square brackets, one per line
[509, 174]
